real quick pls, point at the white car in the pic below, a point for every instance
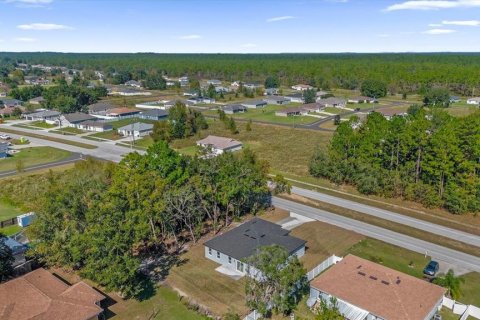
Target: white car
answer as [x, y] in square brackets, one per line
[5, 137]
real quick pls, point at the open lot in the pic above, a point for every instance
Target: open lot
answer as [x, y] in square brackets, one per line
[8, 211]
[33, 156]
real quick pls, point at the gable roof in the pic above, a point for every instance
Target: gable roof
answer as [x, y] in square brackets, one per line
[242, 241]
[100, 106]
[220, 143]
[234, 107]
[154, 113]
[121, 111]
[78, 117]
[254, 103]
[40, 295]
[137, 126]
[391, 294]
[45, 114]
[275, 98]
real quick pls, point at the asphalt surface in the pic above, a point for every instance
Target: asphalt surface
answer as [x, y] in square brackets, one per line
[437, 252]
[71, 159]
[391, 216]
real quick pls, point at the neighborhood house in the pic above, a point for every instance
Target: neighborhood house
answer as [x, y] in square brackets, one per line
[154, 114]
[361, 99]
[137, 129]
[49, 116]
[234, 108]
[365, 290]
[41, 295]
[332, 102]
[121, 113]
[296, 97]
[219, 145]
[475, 101]
[254, 104]
[232, 248]
[276, 100]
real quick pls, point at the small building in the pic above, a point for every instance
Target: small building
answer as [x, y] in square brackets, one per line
[3, 150]
[252, 86]
[36, 101]
[133, 83]
[199, 100]
[137, 129]
[99, 108]
[154, 114]
[296, 97]
[214, 82]
[24, 220]
[290, 112]
[95, 126]
[332, 102]
[122, 113]
[276, 100]
[128, 92]
[234, 108]
[302, 87]
[191, 93]
[313, 107]
[233, 247]
[321, 94]
[365, 290]
[475, 101]
[221, 89]
[34, 80]
[218, 145]
[41, 295]
[49, 116]
[454, 99]
[184, 81]
[255, 104]
[361, 99]
[271, 92]
[74, 119]
[3, 94]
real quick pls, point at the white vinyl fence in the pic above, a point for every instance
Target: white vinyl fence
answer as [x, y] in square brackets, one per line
[461, 309]
[327, 263]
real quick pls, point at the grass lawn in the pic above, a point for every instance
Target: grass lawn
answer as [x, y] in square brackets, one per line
[286, 149]
[188, 151]
[32, 157]
[10, 230]
[144, 142]
[110, 135]
[267, 114]
[69, 130]
[41, 136]
[198, 279]
[41, 124]
[8, 211]
[123, 122]
[461, 109]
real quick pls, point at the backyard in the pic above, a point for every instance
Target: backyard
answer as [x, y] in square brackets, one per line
[29, 157]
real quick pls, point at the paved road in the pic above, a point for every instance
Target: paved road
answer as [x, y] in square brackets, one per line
[73, 158]
[104, 150]
[451, 256]
[391, 216]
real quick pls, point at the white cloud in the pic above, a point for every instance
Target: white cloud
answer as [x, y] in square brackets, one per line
[282, 18]
[43, 26]
[439, 31]
[248, 45]
[433, 4]
[190, 37]
[24, 39]
[435, 25]
[468, 23]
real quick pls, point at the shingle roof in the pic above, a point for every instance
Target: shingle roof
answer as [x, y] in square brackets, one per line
[78, 117]
[254, 103]
[137, 126]
[97, 124]
[155, 113]
[100, 106]
[234, 107]
[242, 241]
[382, 291]
[41, 296]
[120, 111]
[44, 114]
[220, 143]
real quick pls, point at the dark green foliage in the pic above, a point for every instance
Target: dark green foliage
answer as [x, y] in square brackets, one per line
[6, 259]
[309, 96]
[272, 82]
[185, 122]
[231, 125]
[71, 98]
[155, 81]
[451, 283]
[431, 158]
[27, 93]
[248, 127]
[374, 89]
[337, 120]
[211, 93]
[161, 131]
[328, 310]
[437, 97]
[281, 285]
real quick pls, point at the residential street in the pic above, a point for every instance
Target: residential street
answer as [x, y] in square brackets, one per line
[391, 216]
[450, 256]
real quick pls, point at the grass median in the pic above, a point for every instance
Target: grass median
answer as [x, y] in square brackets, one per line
[43, 137]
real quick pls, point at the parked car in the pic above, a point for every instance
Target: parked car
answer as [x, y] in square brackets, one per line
[5, 137]
[431, 269]
[437, 317]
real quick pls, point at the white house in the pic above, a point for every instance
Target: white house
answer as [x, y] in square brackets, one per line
[133, 83]
[232, 248]
[137, 129]
[49, 116]
[302, 87]
[218, 145]
[256, 104]
[369, 291]
[475, 101]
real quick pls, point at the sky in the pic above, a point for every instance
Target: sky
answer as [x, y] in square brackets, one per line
[240, 26]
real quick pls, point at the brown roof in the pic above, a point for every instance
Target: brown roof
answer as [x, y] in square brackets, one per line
[40, 295]
[384, 292]
[220, 143]
[119, 111]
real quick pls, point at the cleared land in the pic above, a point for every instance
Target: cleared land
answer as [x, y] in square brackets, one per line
[32, 157]
[44, 137]
[8, 211]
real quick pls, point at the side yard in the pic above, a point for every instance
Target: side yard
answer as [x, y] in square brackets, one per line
[33, 156]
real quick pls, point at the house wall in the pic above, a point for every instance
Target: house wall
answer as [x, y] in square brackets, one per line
[435, 309]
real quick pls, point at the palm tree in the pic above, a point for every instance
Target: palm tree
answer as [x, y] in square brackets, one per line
[451, 283]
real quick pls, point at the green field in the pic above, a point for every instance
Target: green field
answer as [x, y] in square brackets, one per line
[10, 230]
[8, 211]
[32, 157]
[68, 130]
[41, 124]
[44, 137]
[110, 135]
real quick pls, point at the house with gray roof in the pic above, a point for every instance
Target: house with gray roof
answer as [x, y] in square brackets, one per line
[233, 247]
[154, 114]
[276, 100]
[234, 108]
[133, 83]
[11, 103]
[49, 116]
[296, 97]
[137, 129]
[74, 119]
[95, 126]
[255, 104]
[332, 102]
[99, 108]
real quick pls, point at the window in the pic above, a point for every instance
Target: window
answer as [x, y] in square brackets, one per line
[218, 255]
[239, 266]
[209, 251]
[230, 260]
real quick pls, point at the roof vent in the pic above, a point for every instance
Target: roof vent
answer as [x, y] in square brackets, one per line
[373, 278]
[362, 273]
[398, 280]
[385, 282]
[359, 266]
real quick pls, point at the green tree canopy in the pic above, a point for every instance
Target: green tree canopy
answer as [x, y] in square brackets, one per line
[374, 89]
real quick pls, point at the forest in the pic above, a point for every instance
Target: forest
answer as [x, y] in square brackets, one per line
[403, 73]
[427, 156]
[115, 223]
